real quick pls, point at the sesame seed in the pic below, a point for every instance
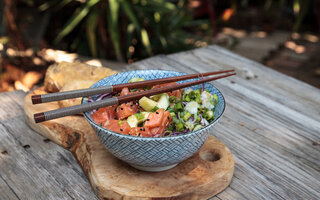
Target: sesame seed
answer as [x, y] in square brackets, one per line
[168, 117]
[147, 119]
[121, 108]
[121, 129]
[144, 129]
[157, 113]
[139, 134]
[140, 129]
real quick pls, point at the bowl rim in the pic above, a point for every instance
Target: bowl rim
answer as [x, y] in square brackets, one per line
[153, 138]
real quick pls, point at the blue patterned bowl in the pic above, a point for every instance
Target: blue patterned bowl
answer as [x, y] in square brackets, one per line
[153, 154]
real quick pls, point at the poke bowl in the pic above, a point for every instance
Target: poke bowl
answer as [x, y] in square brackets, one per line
[158, 152]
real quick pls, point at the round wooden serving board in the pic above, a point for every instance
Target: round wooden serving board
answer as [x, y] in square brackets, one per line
[202, 176]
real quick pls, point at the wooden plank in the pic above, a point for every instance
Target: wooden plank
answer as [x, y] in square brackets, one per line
[275, 85]
[5, 191]
[33, 167]
[198, 178]
[270, 123]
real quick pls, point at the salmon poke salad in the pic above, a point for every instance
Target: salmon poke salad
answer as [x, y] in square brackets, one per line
[163, 115]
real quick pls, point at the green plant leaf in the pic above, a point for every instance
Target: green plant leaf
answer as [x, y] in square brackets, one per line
[303, 11]
[46, 5]
[62, 4]
[91, 26]
[161, 5]
[113, 15]
[146, 41]
[76, 18]
[130, 34]
[144, 34]
[130, 14]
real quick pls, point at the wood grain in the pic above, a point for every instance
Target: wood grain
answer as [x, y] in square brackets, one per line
[205, 174]
[270, 123]
[32, 167]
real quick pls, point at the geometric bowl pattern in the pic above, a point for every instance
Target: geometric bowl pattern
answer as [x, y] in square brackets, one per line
[154, 154]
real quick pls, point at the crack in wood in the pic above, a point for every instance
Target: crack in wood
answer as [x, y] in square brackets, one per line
[11, 189]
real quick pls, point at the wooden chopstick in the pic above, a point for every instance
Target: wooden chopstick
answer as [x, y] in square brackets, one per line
[36, 99]
[53, 114]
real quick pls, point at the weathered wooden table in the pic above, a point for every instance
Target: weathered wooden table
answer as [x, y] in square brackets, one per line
[271, 124]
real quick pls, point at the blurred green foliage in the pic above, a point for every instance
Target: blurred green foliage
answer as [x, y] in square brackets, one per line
[133, 29]
[137, 28]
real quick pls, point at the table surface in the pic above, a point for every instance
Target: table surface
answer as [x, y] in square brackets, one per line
[271, 125]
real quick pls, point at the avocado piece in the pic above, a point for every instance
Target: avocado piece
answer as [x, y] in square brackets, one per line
[156, 97]
[142, 116]
[132, 121]
[137, 118]
[164, 101]
[147, 104]
[135, 79]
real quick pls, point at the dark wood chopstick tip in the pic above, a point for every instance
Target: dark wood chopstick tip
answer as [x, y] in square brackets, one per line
[39, 117]
[36, 99]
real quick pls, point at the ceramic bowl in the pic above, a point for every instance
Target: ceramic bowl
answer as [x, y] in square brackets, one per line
[154, 154]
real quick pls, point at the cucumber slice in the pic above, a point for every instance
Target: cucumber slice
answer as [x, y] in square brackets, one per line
[147, 104]
[164, 101]
[137, 118]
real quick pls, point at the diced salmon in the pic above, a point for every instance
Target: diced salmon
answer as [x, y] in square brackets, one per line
[102, 115]
[155, 118]
[157, 130]
[163, 125]
[118, 126]
[167, 118]
[176, 93]
[140, 131]
[126, 109]
[124, 91]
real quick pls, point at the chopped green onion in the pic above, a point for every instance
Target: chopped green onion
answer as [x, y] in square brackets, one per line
[120, 122]
[178, 107]
[186, 116]
[155, 109]
[192, 95]
[187, 98]
[170, 133]
[175, 120]
[198, 99]
[183, 112]
[209, 115]
[172, 114]
[198, 119]
[170, 110]
[170, 128]
[197, 92]
[189, 125]
[173, 99]
[197, 127]
[179, 127]
[140, 116]
[216, 99]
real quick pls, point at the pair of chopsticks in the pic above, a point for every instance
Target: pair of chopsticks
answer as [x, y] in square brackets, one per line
[53, 114]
